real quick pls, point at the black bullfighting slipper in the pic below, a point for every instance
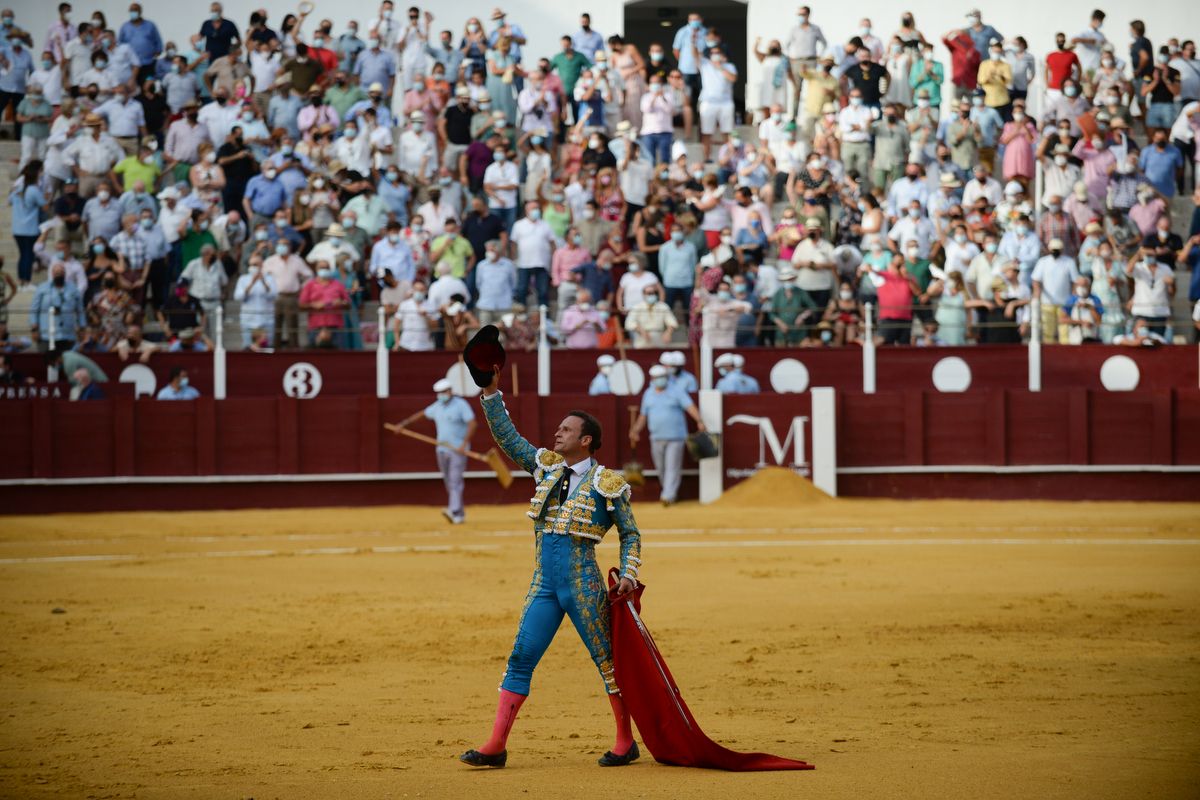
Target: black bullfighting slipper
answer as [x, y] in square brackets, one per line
[611, 759]
[478, 759]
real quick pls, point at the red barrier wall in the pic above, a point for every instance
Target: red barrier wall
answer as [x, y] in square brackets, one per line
[340, 440]
[897, 368]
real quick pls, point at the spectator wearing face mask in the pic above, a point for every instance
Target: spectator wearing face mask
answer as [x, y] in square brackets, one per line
[733, 380]
[414, 320]
[600, 384]
[495, 282]
[964, 62]
[720, 312]
[325, 299]
[665, 411]
[501, 180]
[535, 245]
[1057, 225]
[1153, 289]
[1162, 164]
[455, 425]
[290, 273]
[1053, 278]
[650, 322]
[580, 323]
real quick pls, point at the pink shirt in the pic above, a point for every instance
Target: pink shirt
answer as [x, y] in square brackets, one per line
[895, 297]
[581, 327]
[566, 259]
[320, 293]
[1145, 215]
[741, 217]
[657, 111]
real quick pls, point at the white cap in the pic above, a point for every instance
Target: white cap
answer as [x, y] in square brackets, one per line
[1012, 189]
[605, 361]
[442, 386]
[667, 359]
[375, 87]
[739, 360]
[658, 371]
[725, 359]
[678, 149]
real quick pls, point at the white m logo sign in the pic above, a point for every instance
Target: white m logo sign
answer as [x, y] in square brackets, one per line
[768, 438]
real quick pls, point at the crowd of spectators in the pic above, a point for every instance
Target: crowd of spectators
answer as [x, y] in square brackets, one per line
[475, 177]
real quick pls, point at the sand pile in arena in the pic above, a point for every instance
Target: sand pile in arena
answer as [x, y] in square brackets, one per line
[772, 487]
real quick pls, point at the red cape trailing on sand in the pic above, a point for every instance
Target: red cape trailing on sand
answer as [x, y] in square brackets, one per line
[667, 727]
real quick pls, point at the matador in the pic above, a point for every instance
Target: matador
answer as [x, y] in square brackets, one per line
[574, 504]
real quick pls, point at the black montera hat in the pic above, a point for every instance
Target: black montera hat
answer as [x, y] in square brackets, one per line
[484, 355]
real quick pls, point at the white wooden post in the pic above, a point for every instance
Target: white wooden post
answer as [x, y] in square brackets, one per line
[824, 439]
[1035, 346]
[382, 378]
[219, 356]
[868, 351]
[712, 470]
[543, 355]
[706, 354]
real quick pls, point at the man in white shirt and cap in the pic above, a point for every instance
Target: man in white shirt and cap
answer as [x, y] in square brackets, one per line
[335, 249]
[677, 376]
[665, 411]
[733, 380]
[599, 384]
[455, 423]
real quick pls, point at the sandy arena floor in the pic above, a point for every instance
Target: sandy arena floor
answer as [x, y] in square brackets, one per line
[909, 650]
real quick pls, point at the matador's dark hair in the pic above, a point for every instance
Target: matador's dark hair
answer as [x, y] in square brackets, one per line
[590, 427]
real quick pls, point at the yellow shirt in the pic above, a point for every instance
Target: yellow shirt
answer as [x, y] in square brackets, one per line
[995, 77]
[822, 89]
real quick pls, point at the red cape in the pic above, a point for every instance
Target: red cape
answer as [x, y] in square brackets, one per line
[668, 729]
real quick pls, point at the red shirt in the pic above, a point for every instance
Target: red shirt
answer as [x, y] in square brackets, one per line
[895, 297]
[1058, 67]
[964, 61]
[326, 58]
[319, 293]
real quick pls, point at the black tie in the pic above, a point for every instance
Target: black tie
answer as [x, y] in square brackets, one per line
[565, 488]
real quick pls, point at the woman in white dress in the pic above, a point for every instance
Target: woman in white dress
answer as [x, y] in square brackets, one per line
[773, 77]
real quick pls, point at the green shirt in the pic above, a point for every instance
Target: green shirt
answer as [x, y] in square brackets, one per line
[932, 84]
[569, 68]
[342, 99]
[131, 169]
[456, 253]
[190, 244]
[28, 108]
[787, 308]
[919, 270]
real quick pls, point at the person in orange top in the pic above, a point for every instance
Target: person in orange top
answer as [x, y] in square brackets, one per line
[612, 335]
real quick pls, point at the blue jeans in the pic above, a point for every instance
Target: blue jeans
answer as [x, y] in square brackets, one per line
[658, 147]
[1160, 115]
[565, 582]
[541, 280]
[507, 215]
[26, 259]
[683, 295]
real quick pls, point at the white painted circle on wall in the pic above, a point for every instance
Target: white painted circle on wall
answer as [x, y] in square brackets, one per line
[951, 374]
[626, 378]
[302, 381]
[142, 378]
[789, 376]
[1120, 374]
[461, 382]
